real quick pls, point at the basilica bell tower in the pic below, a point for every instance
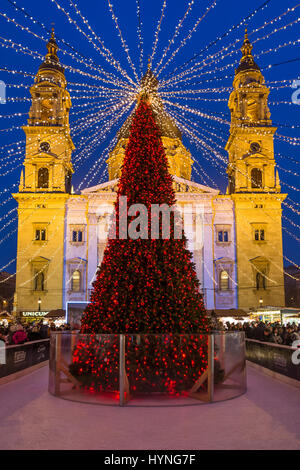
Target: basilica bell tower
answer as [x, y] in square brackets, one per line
[254, 186]
[45, 185]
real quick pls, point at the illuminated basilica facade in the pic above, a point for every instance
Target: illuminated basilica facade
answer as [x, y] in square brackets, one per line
[62, 236]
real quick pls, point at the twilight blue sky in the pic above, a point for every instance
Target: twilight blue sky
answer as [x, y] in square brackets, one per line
[270, 49]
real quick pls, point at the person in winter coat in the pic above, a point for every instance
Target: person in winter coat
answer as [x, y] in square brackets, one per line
[19, 336]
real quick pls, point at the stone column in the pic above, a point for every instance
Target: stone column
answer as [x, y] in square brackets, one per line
[208, 265]
[91, 251]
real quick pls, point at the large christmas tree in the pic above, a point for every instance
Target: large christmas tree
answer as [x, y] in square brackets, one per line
[144, 285]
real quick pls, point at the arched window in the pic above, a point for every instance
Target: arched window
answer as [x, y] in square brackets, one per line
[224, 280]
[260, 281]
[43, 178]
[39, 281]
[76, 281]
[256, 178]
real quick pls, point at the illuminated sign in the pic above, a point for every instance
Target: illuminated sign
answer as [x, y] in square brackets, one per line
[34, 314]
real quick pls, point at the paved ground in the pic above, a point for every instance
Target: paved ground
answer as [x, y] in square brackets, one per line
[267, 417]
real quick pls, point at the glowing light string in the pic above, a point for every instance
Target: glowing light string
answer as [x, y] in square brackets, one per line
[201, 65]
[110, 58]
[244, 21]
[177, 29]
[225, 48]
[124, 44]
[39, 23]
[187, 38]
[88, 64]
[140, 37]
[156, 35]
[103, 53]
[36, 55]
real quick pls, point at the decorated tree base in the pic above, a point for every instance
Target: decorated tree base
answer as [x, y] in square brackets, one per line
[169, 364]
[106, 368]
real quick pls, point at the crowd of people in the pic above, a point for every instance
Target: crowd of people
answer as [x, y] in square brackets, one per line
[266, 331]
[18, 333]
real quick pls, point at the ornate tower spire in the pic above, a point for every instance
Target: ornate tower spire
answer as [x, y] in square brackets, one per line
[246, 47]
[247, 61]
[51, 61]
[248, 102]
[52, 47]
[51, 101]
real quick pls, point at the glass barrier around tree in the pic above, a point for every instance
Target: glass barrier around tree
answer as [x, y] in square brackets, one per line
[151, 369]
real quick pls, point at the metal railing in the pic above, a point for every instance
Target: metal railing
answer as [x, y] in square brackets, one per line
[21, 356]
[279, 358]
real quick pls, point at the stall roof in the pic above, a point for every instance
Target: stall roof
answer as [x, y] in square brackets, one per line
[230, 312]
[59, 313]
[4, 314]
